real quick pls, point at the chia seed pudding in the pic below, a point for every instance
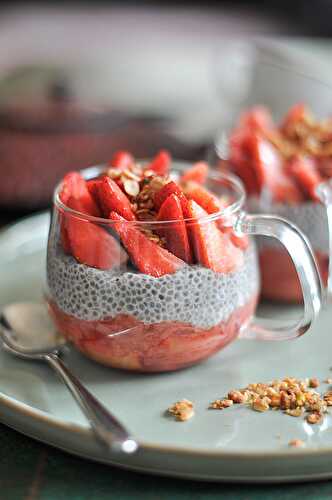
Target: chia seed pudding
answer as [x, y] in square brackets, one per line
[154, 284]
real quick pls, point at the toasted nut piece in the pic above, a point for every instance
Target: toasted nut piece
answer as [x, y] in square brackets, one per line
[114, 173]
[275, 401]
[295, 412]
[221, 404]
[131, 175]
[148, 173]
[313, 382]
[131, 187]
[236, 397]
[285, 400]
[314, 418]
[182, 410]
[261, 404]
[296, 443]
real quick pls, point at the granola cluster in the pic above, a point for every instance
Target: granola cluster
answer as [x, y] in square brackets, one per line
[293, 396]
[141, 186]
[305, 136]
[182, 410]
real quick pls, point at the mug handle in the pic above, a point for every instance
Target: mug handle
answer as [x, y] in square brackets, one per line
[324, 193]
[302, 256]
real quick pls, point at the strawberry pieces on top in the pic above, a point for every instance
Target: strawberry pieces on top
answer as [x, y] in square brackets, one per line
[286, 162]
[212, 248]
[156, 219]
[175, 234]
[148, 257]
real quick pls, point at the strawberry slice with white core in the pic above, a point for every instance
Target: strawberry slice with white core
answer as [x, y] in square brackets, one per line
[147, 256]
[213, 249]
[175, 233]
[91, 244]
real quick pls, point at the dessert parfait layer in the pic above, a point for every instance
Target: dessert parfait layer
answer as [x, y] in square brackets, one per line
[143, 271]
[281, 166]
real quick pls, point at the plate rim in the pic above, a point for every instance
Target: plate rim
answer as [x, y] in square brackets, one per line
[41, 417]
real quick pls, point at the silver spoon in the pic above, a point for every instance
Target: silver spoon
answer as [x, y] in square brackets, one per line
[27, 332]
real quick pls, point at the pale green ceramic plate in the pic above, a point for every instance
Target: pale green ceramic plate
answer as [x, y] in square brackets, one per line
[234, 445]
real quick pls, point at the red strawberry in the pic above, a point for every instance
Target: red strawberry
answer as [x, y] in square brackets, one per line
[175, 233]
[147, 256]
[257, 118]
[121, 159]
[169, 188]
[91, 244]
[207, 200]
[75, 187]
[239, 241]
[197, 173]
[93, 189]
[270, 173]
[160, 163]
[212, 248]
[296, 114]
[240, 159]
[111, 199]
[304, 171]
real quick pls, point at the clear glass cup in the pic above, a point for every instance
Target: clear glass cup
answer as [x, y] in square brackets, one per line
[272, 77]
[126, 319]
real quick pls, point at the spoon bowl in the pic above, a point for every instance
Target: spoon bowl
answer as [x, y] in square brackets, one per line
[27, 332]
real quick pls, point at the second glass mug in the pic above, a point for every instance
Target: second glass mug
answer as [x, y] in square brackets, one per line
[125, 319]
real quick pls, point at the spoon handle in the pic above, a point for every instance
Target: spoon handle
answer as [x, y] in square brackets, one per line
[106, 427]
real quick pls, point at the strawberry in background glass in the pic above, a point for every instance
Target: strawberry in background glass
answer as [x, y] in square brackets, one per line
[281, 166]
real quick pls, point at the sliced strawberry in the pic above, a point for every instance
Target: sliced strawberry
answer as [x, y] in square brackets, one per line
[239, 241]
[169, 188]
[147, 256]
[197, 173]
[240, 157]
[121, 159]
[296, 114]
[91, 244]
[212, 248]
[160, 163]
[257, 118]
[207, 200]
[75, 187]
[303, 170]
[175, 233]
[93, 189]
[270, 172]
[111, 199]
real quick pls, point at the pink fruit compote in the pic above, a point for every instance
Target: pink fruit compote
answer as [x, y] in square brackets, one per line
[156, 282]
[281, 167]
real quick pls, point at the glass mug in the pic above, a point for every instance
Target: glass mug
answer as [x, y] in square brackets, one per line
[126, 319]
[270, 76]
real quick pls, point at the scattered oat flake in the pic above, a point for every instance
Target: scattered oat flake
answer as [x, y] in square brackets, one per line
[221, 404]
[295, 397]
[328, 381]
[182, 410]
[261, 404]
[296, 412]
[296, 443]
